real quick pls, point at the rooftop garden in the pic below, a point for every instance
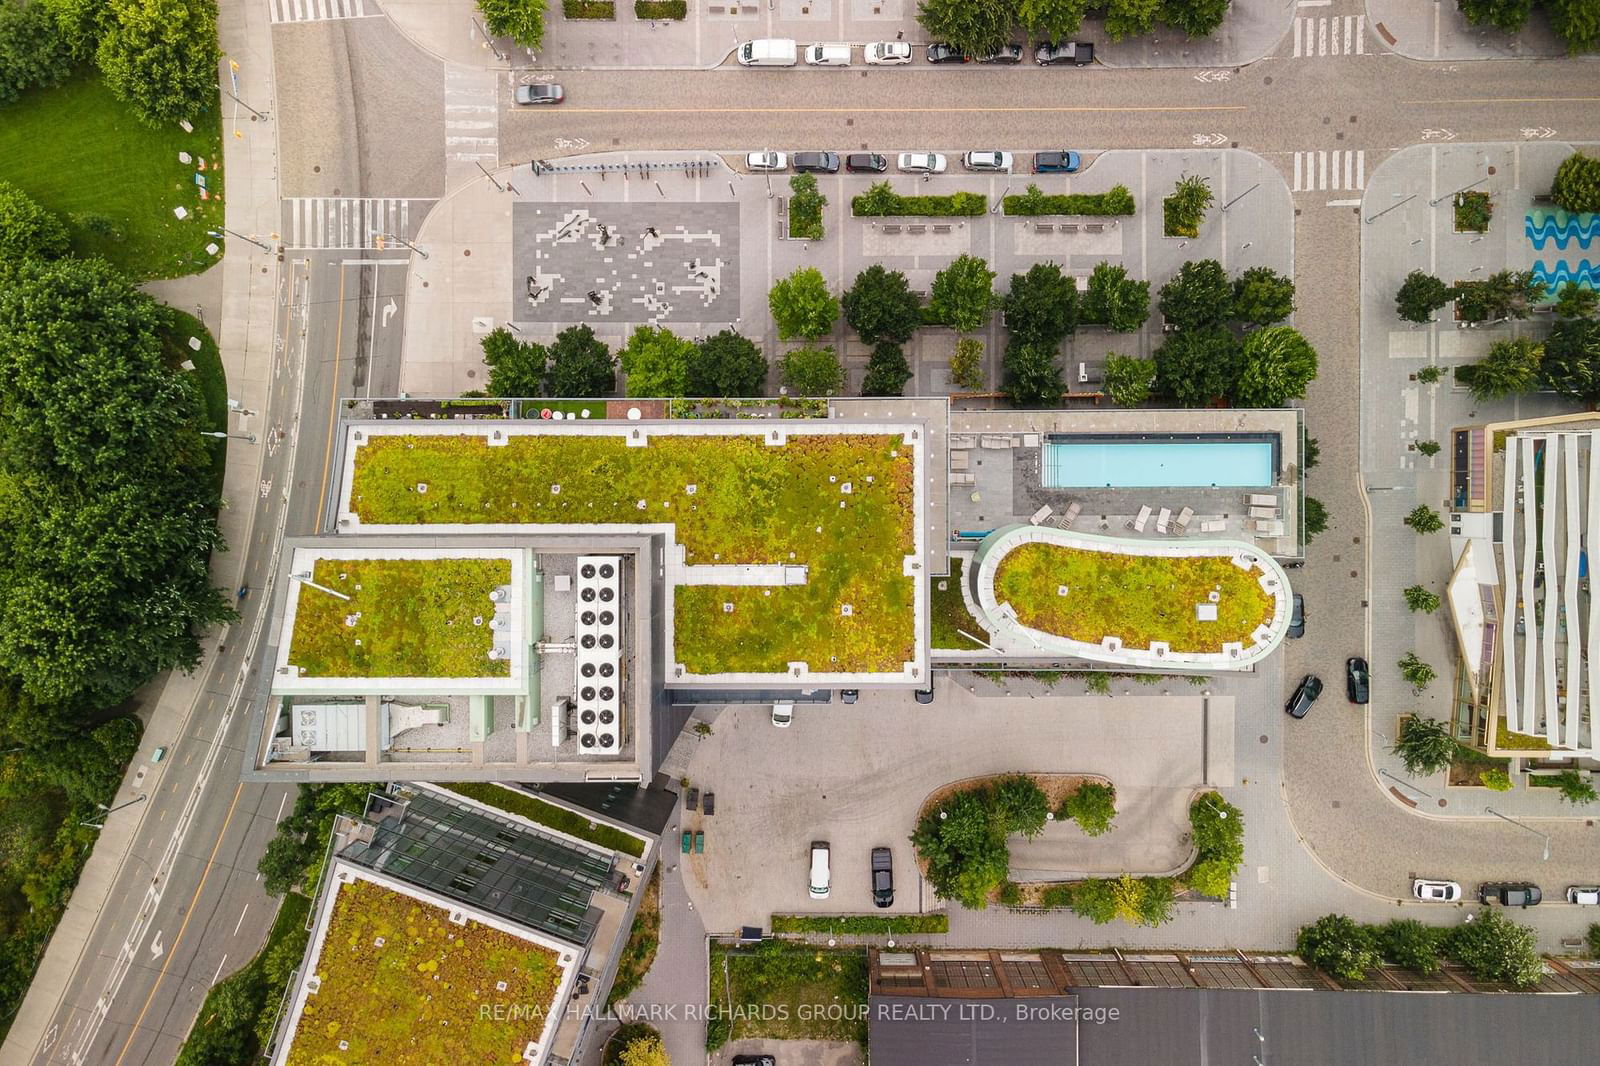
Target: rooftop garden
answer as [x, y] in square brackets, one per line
[402, 983]
[403, 618]
[515, 801]
[948, 616]
[842, 506]
[1139, 598]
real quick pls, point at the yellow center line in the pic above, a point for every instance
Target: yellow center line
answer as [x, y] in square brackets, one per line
[333, 404]
[172, 948]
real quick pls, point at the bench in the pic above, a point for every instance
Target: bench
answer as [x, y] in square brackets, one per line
[1044, 227]
[941, 229]
[1094, 227]
[917, 228]
[891, 227]
[1069, 227]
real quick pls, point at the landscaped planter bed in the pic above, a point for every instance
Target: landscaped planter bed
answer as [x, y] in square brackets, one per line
[588, 9]
[661, 9]
[1118, 201]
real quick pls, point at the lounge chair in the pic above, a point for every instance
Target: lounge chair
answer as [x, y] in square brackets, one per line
[1213, 525]
[1162, 519]
[1137, 524]
[1184, 517]
[1258, 499]
[1268, 527]
[1066, 520]
[1040, 515]
[1264, 512]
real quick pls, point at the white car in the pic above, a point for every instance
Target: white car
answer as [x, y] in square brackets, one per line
[821, 872]
[1584, 895]
[888, 53]
[920, 163]
[783, 713]
[1436, 891]
[995, 161]
[768, 160]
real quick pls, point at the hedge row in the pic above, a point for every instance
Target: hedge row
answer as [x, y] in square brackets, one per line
[881, 200]
[1118, 201]
[861, 924]
[513, 801]
[661, 9]
[588, 9]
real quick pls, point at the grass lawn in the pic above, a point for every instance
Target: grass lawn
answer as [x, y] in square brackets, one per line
[948, 614]
[816, 993]
[861, 924]
[1506, 740]
[644, 939]
[515, 801]
[415, 998]
[414, 618]
[78, 150]
[1140, 598]
[733, 499]
[208, 374]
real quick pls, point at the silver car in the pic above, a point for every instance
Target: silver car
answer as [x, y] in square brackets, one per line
[768, 160]
[920, 163]
[547, 93]
[992, 161]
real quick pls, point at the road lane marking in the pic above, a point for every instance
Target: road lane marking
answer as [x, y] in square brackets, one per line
[220, 965]
[240, 922]
[1343, 203]
[281, 804]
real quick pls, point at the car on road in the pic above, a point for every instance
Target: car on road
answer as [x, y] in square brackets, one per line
[1510, 893]
[866, 163]
[821, 874]
[882, 877]
[1435, 891]
[1077, 53]
[1006, 54]
[1584, 895]
[887, 53]
[816, 162]
[754, 1060]
[1297, 617]
[924, 695]
[546, 93]
[768, 160]
[1055, 162]
[991, 161]
[849, 695]
[1357, 680]
[783, 714]
[940, 52]
[920, 163]
[1305, 694]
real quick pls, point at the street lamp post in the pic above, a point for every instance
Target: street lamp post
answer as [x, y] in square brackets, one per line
[1373, 218]
[217, 433]
[1542, 836]
[112, 810]
[1241, 196]
[1403, 784]
[408, 244]
[1438, 199]
[489, 41]
[218, 234]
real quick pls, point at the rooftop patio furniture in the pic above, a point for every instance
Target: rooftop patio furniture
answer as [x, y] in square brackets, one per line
[1184, 517]
[1066, 520]
[1260, 499]
[959, 459]
[1263, 512]
[1040, 515]
[1268, 527]
[1213, 525]
[1137, 524]
[1162, 519]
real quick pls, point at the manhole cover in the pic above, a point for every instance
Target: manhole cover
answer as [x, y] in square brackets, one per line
[1263, 738]
[1335, 804]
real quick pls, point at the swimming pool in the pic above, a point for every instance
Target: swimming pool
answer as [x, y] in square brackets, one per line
[1158, 463]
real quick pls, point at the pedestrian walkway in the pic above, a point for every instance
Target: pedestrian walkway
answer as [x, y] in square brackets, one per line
[1324, 171]
[319, 10]
[348, 222]
[1331, 35]
[471, 124]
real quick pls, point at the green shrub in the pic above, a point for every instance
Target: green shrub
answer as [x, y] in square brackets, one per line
[881, 199]
[1424, 745]
[1429, 448]
[588, 9]
[1095, 899]
[1021, 805]
[966, 366]
[1473, 211]
[1593, 939]
[1575, 787]
[1185, 209]
[1429, 375]
[1217, 829]
[1010, 894]
[1424, 519]
[863, 924]
[1211, 877]
[1495, 780]
[1494, 948]
[1417, 673]
[1338, 946]
[1577, 183]
[516, 802]
[1407, 942]
[805, 208]
[1118, 201]
[661, 9]
[1093, 806]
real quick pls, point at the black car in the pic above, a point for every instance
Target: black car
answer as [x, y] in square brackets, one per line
[1357, 679]
[1510, 893]
[1077, 53]
[754, 1060]
[882, 877]
[1304, 696]
[816, 162]
[925, 695]
[1006, 53]
[947, 53]
[866, 163]
[849, 695]
[1297, 619]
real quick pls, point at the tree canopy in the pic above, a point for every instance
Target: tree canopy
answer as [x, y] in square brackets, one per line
[521, 20]
[27, 229]
[976, 27]
[813, 371]
[1420, 295]
[1041, 307]
[1032, 375]
[32, 50]
[880, 306]
[160, 56]
[1196, 18]
[580, 365]
[887, 371]
[1510, 368]
[1051, 20]
[657, 362]
[1577, 183]
[1130, 18]
[1115, 300]
[1276, 365]
[729, 364]
[1576, 301]
[1197, 366]
[1128, 379]
[1508, 16]
[516, 367]
[1199, 294]
[963, 294]
[802, 306]
[1262, 296]
[1571, 362]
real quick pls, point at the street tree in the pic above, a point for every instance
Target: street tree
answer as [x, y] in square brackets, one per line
[880, 306]
[1420, 295]
[645, 1050]
[1571, 361]
[1130, 18]
[1576, 301]
[887, 371]
[1198, 366]
[1424, 745]
[657, 362]
[966, 365]
[802, 306]
[1338, 946]
[580, 365]
[516, 367]
[1020, 805]
[1051, 20]
[1316, 518]
[1506, 294]
[1262, 296]
[1510, 368]
[728, 364]
[1093, 806]
[1184, 210]
[1424, 519]
[1276, 365]
[1128, 379]
[1496, 949]
[813, 371]
[27, 229]
[1032, 375]
[520, 20]
[1576, 22]
[1507, 16]
[1041, 306]
[1420, 598]
[1409, 943]
[1199, 294]
[976, 27]
[1577, 183]
[1417, 673]
[1115, 300]
[1196, 18]
[963, 294]
[160, 57]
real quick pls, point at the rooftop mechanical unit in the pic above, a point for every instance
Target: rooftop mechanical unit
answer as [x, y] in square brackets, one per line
[598, 697]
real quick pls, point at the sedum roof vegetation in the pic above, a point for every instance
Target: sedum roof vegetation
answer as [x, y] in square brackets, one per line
[413, 618]
[750, 503]
[1139, 598]
[417, 997]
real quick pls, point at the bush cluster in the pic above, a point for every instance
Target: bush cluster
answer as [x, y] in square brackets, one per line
[1492, 947]
[1118, 201]
[1217, 829]
[963, 839]
[661, 9]
[588, 9]
[861, 924]
[881, 199]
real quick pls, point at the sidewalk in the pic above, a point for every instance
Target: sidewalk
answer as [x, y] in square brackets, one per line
[246, 340]
[1439, 30]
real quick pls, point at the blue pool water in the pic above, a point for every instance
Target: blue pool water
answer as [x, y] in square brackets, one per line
[1158, 464]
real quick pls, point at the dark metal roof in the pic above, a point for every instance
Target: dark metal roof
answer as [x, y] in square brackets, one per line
[913, 1031]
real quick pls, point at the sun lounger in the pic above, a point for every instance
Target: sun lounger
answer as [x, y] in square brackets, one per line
[1137, 524]
[1066, 520]
[1263, 512]
[1162, 519]
[1213, 525]
[1258, 499]
[1040, 515]
[1184, 517]
[1268, 527]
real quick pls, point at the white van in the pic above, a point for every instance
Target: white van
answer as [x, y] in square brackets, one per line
[768, 52]
[820, 873]
[828, 55]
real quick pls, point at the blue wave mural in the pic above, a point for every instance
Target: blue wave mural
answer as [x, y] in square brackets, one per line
[1585, 274]
[1562, 227]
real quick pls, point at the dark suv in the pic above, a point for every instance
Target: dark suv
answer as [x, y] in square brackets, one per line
[816, 162]
[882, 877]
[1357, 680]
[866, 163]
[1510, 893]
[1304, 696]
[1077, 53]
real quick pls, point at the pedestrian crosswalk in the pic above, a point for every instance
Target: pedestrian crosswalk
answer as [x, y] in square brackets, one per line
[348, 222]
[1330, 35]
[320, 10]
[471, 123]
[1319, 171]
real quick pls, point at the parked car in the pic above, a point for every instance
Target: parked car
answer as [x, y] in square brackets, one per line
[921, 163]
[924, 695]
[1297, 617]
[768, 52]
[768, 160]
[1584, 895]
[547, 93]
[1055, 162]
[754, 1060]
[849, 695]
[947, 53]
[1006, 53]
[887, 53]
[882, 877]
[1304, 696]
[866, 163]
[828, 55]
[1435, 891]
[821, 873]
[1077, 53]
[1357, 680]
[816, 162]
[1510, 893]
[783, 714]
[995, 161]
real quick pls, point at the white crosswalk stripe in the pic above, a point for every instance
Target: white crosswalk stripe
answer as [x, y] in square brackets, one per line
[471, 123]
[319, 10]
[345, 222]
[1330, 35]
[1323, 171]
